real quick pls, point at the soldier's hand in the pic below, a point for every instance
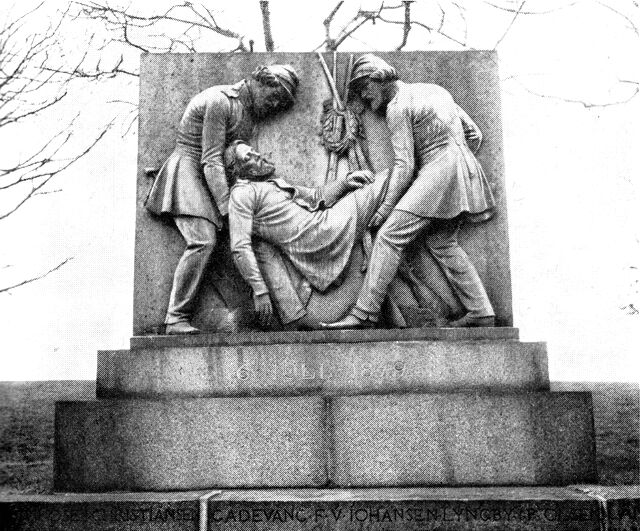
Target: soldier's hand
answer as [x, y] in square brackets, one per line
[358, 179]
[376, 220]
[263, 308]
[381, 215]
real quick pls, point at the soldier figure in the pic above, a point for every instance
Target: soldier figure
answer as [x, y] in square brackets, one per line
[435, 185]
[192, 187]
[315, 228]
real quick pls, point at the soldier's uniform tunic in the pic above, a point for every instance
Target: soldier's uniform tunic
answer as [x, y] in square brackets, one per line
[436, 183]
[192, 185]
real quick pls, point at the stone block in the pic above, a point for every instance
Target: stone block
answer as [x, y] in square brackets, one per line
[323, 368]
[189, 444]
[326, 336]
[462, 439]
[366, 440]
[391, 509]
[169, 81]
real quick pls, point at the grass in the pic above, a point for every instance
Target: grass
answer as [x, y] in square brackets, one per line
[616, 413]
[27, 418]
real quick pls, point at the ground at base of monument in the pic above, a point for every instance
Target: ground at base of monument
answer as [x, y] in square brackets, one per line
[577, 507]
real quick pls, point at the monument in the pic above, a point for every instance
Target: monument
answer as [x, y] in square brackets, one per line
[393, 427]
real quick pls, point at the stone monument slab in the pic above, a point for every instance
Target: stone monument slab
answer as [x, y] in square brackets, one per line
[463, 439]
[167, 83]
[323, 368]
[189, 444]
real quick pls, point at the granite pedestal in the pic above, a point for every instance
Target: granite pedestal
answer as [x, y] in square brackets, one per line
[366, 440]
[213, 411]
[400, 361]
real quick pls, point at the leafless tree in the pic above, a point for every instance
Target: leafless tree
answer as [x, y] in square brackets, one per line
[449, 23]
[191, 27]
[266, 24]
[181, 28]
[387, 15]
[197, 27]
[32, 84]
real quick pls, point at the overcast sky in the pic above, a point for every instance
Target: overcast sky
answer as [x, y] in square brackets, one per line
[572, 184]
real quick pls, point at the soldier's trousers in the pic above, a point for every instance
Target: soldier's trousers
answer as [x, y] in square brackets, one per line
[440, 238]
[201, 237]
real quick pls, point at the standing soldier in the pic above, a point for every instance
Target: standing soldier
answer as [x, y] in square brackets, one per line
[192, 187]
[436, 184]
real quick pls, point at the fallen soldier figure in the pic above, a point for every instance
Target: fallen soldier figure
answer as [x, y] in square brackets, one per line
[294, 244]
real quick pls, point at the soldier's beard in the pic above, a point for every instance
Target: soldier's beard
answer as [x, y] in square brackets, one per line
[258, 173]
[260, 113]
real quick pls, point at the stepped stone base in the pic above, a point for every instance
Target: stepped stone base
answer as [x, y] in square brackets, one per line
[385, 440]
[576, 508]
[189, 444]
[463, 439]
[326, 336]
[322, 368]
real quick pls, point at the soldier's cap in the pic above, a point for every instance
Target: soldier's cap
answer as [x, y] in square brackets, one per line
[283, 75]
[372, 67]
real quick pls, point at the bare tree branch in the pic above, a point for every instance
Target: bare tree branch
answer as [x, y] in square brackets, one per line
[513, 20]
[348, 31]
[407, 23]
[428, 28]
[125, 36]
[39, 277]
[266, 24]
[362, 17]
[541, 12]
[329, 42]
[187, 16]
[628, 19]
[585, 103]
[463, 18]
[41, 179]
[357, 22]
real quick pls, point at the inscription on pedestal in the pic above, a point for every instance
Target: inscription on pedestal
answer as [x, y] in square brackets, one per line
[329, 369]
[351, 371]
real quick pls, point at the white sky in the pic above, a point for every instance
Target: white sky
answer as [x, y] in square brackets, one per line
[572, 182]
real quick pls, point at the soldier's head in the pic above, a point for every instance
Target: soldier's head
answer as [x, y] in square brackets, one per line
[374, 81]
[243, 162]
[273, 89]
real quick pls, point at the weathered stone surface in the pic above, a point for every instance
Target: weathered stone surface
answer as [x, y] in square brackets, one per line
[128, 511]
[325, 336]
[450, 509]
[477, 509]
[189, 444]
[167, 83]
[462, 439]
[366, 440]
[167, 511]
[323, 368]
